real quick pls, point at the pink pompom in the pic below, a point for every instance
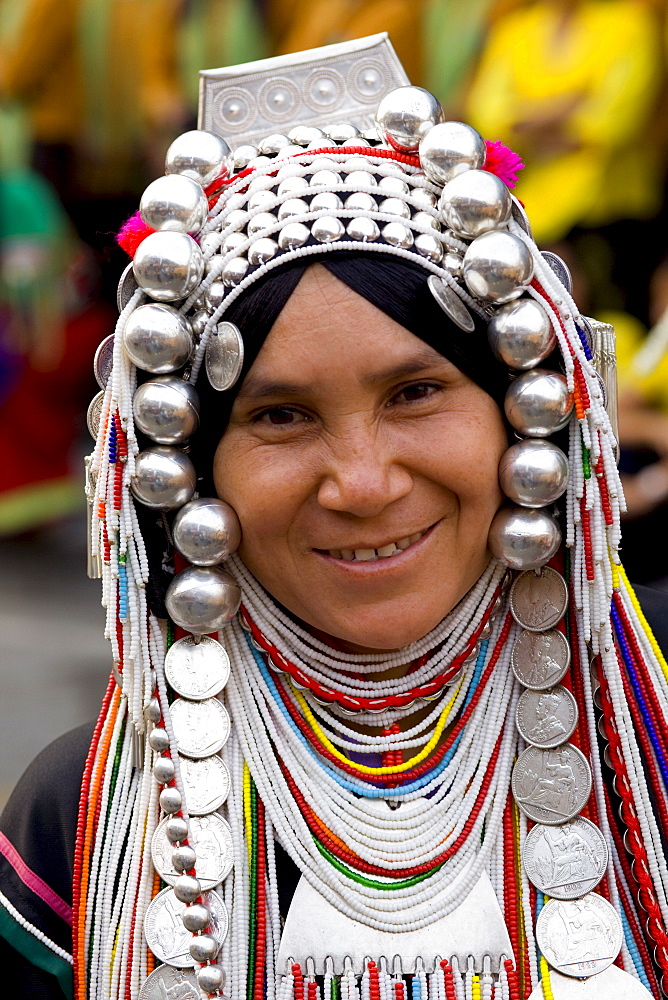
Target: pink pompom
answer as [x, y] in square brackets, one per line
[132, 233]
[502, 162]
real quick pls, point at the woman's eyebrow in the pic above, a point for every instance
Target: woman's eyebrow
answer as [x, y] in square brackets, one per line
[258, 387]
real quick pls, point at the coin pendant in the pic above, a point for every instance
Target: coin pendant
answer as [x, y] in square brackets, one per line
[538, 600]
[201, 728]
[450, 303]
[103, 361]
[166, 936]
[540, 659]
[94, 414]
[207, 784]
[197, 670]
[579, 937]
[547, 718]
[166, 981]
[210, 838]
[224, 356]
[551, 786]
[127, 286]
[565, 861]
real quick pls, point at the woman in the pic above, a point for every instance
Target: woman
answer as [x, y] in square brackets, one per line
[337, 780]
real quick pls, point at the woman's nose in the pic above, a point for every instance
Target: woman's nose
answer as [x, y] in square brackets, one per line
[363, 481]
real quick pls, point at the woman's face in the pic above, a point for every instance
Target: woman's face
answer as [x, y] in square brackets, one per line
[363, 467]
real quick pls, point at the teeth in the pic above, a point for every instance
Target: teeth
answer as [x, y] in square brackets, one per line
[365, 555]
[368, 555]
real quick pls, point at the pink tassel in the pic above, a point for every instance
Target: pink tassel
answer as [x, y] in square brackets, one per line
[503, 162]
[132, 233]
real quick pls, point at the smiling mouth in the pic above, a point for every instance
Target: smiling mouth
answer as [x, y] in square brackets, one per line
[373, 555]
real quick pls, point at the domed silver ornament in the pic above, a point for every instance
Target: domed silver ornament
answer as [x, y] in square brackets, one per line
[425, 220]
[360, 201]
[261, 251]
[263, 220]
[363, 229]
[164, 478]
[303, 135]
[392, 185]
[325, 178]
[168, 266]
[522, 538]
[292, 235]
[450, 149]
[296, 185]
[395, 206]
[202, 156]
[242, 156]
[398, 235]
[450, 303]
[198, 322]
[496, 266]
[292, 206]
[342, 132]
[538, 403]
[272, 144]
[406, 115]
[261, 199]
[224, 356]
[533, 473]
[327, 229]
[454, 262]
[520, 334]
[326, 201]
[202, 599]
[206, 531]
[235, 270]
[430, 247]
[166, 409]
[174, 203]
[214, 295]
[475, 202]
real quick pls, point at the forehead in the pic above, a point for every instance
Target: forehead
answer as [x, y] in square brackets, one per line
[326, 329]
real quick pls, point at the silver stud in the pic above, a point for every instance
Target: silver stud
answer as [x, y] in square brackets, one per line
[360, 201]
[423, 198]
[272, 144]
[261, 199]
[327, 229]
[168, 266]
[170, 801]
[292, 206]
[449, 149]
[406, 115]
[202, 156]
[166, 409]
[196, 918]
[363, 229]
[395, 206]
[183, 858]
[327, 201]
[263, 220]
[214, 295]
[259, 161]
[236, 219]
[262, 250]
[235, 270]
[533, 473]
[187, 888]
[522, 538]
[496, 266]
[198, 321]
[164, 478]
[305, 134]
[392, 185]
[204, 948]
[293, 185]
[242, 156]
[360, 178]
[210, 978]
[232, 242]
[293, 235]
[342, 132]
[209, 244]
[158, 739]
[152, 710]
[398, 235]
[325, 178]
[176, 829]
[474, 203]
[454, 262]
[425, 220]
[163, 770]
[174, 203]
[429, 247]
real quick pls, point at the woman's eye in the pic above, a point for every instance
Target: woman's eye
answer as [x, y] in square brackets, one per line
[280, 416]
[418, 391]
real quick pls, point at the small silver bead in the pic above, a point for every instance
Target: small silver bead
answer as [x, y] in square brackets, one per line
[342, 132]
[176, 829]
[236, 219]
[196, 917]
[235, 270]
[398, 235]
[210, 243]
[327, 200]
[260, 161]
[187, 888]
[293, 235]
[214, 295]
[198, 321]
[158, 739]
[395, 206]
[242, 156]
[288, 151]
[302, 135]
[327, 229]
[170, 800]
[363, 229]
[360, 201]
[211, 978]
[423, 198]
[232, 242]
[454, 263]
[325, 178]
[262, 250]
[393, 185]
[261, 199]
[360, 178]
[293, 206]
[163, 770]
[152, 710]
[204, 948]
[272, 144]
[429, 247]
[183, 858]
[292, 185]
[263, 220]
[425, 220]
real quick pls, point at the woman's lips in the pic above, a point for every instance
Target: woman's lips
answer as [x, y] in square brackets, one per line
[373, 555]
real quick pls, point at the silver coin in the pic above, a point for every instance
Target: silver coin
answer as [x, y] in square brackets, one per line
[520, 216]
[197, 670]
[540, 659]
[538, 600]
[551, 786]
[450, 303]
[211, 840]
[103, 361]
[201, 728]
[127, 286]
[579, 937]
[206, 783]
[166, 936]
[547, 718]
[559, 267]
[168, 983]
[224, 356]
[565, 861]
[94, 414]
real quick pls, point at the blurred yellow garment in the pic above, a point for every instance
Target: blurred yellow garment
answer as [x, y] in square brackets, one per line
[651, 387]
[572, 89]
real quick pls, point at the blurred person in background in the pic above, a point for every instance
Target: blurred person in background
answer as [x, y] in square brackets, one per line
[573, 86]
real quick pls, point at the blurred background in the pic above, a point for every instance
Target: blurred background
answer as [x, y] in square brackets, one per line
[91, 94]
